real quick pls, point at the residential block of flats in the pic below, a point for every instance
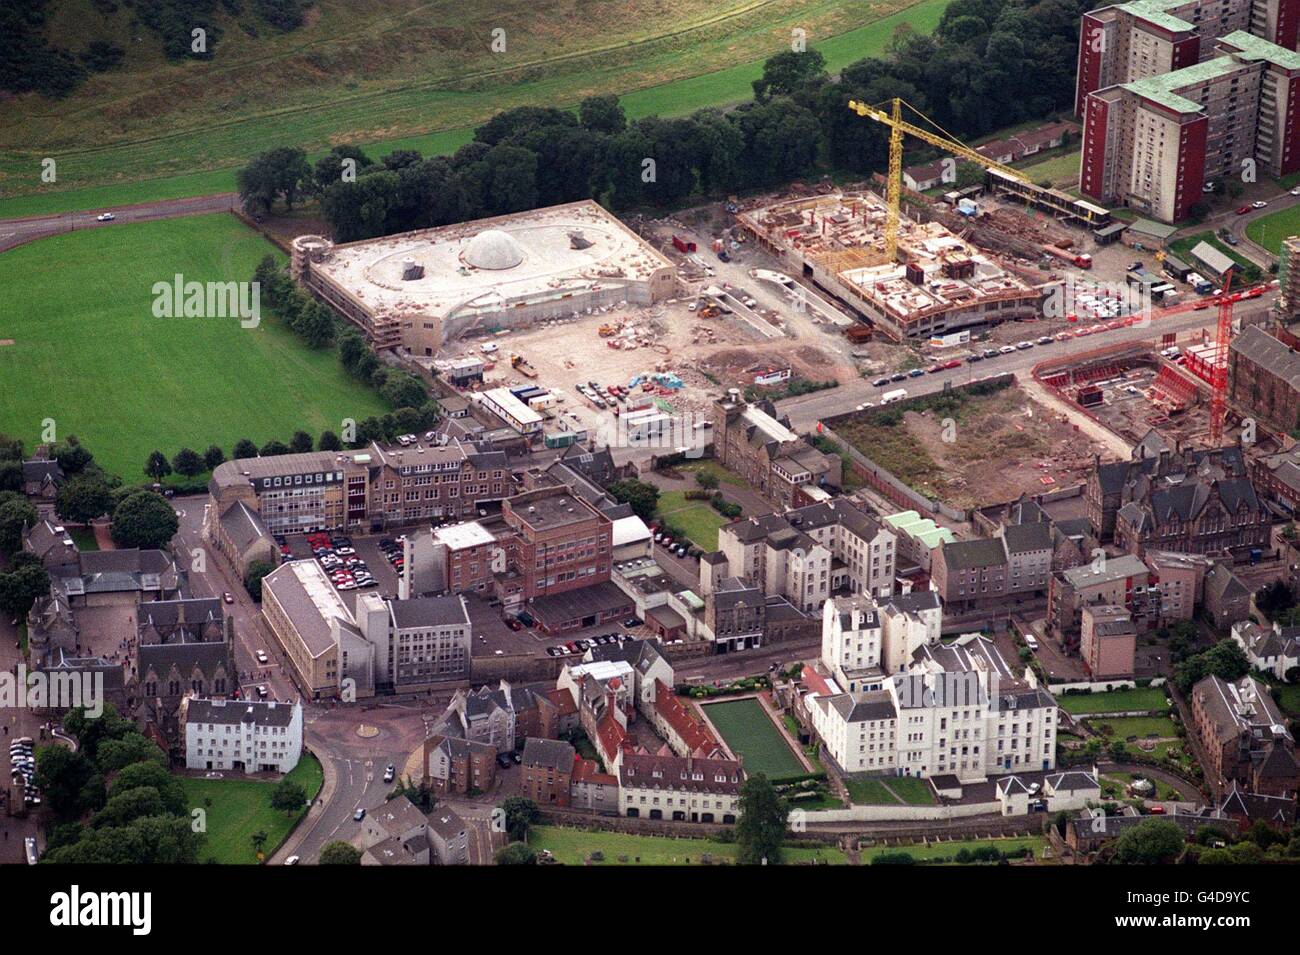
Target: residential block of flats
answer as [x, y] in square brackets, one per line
[1244, 736]
[1124, 42]
[1152, 143]
[248, 735]
[954, 709]
[807, 554]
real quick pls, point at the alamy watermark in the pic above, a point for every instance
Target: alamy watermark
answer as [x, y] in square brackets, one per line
[61, 691]
[650, 428]
[181, 299]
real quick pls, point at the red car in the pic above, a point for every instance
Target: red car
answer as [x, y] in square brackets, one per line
[514, 624]
[955, 363]
[1243, 210]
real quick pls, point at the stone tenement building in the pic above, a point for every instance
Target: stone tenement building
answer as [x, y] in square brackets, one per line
[1198, 502]
[1264, 377]
[753, 442]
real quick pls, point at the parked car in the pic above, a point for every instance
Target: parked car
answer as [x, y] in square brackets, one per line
[228, 597]
[358, 815]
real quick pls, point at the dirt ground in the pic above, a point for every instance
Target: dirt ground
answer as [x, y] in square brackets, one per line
[947, 455]
[708, 355]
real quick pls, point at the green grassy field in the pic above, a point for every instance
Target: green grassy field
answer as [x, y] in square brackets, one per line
[1117, 701]
[696, 519]
[241, 807]
[746, 728]
[89, 353]
[1058, 171]
[941, 850]
[718, 471]
[1126, 726]
[1270, 230]
[662, 59]
[572, 846]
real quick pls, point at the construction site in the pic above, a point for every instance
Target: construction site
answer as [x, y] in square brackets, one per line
[939, 445]
[939, 283]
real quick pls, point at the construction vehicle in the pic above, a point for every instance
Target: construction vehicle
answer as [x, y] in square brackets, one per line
[520, 364]
[858, 333]
[605, 331]
[1080, 259]
[683, 245]
[898, 127]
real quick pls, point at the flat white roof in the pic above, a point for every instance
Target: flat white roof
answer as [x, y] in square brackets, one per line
[504, 399]
[603, 670]
[774, 429]
[629, 530]
[551, 264]
[461, 536]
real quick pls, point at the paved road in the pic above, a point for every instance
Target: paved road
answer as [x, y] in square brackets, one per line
[806, 410]
[211, 577]
[14, 232]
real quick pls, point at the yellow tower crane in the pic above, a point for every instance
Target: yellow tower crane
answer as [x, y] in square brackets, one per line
[894, 185]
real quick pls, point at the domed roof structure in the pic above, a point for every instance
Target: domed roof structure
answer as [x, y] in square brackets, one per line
[493, 249]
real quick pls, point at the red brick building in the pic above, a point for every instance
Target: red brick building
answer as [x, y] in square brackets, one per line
[459, 766]
[547, 771]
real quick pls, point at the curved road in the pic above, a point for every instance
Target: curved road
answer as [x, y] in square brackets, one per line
[15, 232]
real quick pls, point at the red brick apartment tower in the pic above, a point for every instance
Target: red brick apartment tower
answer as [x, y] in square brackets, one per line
[1096, 38]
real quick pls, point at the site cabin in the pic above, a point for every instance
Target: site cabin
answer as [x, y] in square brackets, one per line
[889, 397]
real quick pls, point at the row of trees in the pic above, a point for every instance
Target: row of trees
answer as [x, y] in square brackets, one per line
[989, 64]
[112, 800]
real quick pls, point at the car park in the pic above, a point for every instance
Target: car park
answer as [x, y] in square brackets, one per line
[358, 815]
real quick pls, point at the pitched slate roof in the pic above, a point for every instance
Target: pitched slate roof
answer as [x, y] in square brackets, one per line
[552, 753]
[974, 554]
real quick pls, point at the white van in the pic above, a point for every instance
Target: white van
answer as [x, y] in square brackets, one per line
[1031, 641]
[889, 397]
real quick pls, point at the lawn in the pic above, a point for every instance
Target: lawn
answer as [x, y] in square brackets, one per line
[696, 519]
[389, 83]
[84, 538]
[1059, 170]
[1148, 698]
[1115, 786]
[238, 808]
[1183, 247]
[1270, 230]
[572, 846]
[870, 791]
[750, 733]
[89, 353]
[1289, 699]
[942, 850]
[717, 470]
[1125, 726]
[913, 791]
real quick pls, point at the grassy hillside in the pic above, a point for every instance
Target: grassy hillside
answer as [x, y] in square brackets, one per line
[399, 72]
